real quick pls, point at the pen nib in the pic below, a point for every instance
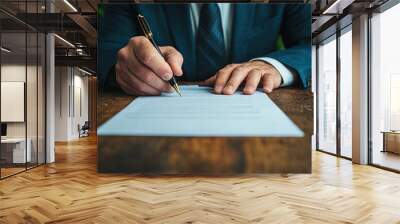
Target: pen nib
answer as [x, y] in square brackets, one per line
[176, 87]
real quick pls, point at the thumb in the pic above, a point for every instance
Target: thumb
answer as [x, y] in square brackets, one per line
[209, 82]
[174, 59]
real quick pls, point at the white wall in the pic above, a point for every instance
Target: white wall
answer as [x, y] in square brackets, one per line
[71, 102]
[16, 72]
[33, 126]
[10, 73]
[62, 81]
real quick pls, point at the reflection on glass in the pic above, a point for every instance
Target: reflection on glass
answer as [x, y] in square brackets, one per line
[385, 85]
[327, 96]
[22, 92]
[346, 94]
[41, 99]
[31, 100]
[14, 151]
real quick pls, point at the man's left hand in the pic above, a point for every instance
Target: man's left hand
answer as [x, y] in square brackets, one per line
[252, 73]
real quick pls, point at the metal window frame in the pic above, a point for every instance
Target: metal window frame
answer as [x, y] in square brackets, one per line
[44, 73]
[387, 5]
[381, 9]
[339, 32]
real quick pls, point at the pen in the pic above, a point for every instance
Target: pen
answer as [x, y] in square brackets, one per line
[149, 35]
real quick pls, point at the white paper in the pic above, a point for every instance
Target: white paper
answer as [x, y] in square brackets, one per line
[201, 113]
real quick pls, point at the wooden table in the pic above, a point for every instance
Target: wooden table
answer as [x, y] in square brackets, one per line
[391, 141]
[209, 155]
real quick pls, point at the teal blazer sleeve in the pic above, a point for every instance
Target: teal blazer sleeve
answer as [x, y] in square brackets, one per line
[296, 34]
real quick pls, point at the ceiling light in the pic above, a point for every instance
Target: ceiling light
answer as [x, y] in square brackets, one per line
[328, 10]
[65, 41]
[84, 71]
[5, 50]
[70, 5]
[337, 7]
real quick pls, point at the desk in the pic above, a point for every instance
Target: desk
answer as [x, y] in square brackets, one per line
[206, 155]
[13, 150]
[391, 141]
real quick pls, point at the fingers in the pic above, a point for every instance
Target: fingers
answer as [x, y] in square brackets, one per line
[174, 59]
[147, 54]
[146, 75]
[210, 81]
[131, 84]
[129, 90]
[143, 71]
[237, 77]
[252, 81]
[222, 77]
[228, 79]
[268, 83]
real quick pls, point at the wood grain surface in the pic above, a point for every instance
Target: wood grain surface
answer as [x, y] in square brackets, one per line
[209, 155]
[72, 191]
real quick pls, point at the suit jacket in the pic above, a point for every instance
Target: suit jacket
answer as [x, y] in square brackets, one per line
[255, 31]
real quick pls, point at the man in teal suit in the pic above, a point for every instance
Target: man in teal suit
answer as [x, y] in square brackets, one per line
[221, 44]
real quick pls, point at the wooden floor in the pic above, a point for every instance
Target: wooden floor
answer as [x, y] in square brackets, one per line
[71, 191]
[387, 159]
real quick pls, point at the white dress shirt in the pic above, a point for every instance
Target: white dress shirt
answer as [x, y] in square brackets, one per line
[226, 11]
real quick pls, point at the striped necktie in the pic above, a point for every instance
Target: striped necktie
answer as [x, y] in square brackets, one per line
[210, 47]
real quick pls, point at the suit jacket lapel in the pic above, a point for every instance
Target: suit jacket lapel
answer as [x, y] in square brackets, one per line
[242, 23]
[179, 22]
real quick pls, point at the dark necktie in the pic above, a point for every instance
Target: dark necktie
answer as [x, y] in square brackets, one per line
[210, 47]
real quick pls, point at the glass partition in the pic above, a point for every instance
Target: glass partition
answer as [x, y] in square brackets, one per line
[22, 91]
[32, 97]
[346, 92]
[14, 153]
[385, 89]
[327, 96]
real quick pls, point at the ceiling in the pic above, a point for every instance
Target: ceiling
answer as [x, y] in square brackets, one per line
[73, 20]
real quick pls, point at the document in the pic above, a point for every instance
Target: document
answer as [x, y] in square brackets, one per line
[201, 113]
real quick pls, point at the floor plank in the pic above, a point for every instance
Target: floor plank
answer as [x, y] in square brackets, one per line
[71, 191]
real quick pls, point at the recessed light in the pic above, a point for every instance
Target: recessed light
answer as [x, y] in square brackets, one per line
[70, 5]
[84, 71]
[65, 41]
[5, 50]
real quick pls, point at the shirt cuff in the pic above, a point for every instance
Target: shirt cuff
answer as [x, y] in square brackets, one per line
[288, 77]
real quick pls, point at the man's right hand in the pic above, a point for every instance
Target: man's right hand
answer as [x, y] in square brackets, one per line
[141, 70]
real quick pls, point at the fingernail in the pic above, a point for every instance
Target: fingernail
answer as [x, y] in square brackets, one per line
[167, 76]
[228, 89]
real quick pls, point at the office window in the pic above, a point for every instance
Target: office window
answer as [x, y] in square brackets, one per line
[385, 89]
[314, 90]
[14, 147]
[346, 92]
[326, 76]
[22, 93]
